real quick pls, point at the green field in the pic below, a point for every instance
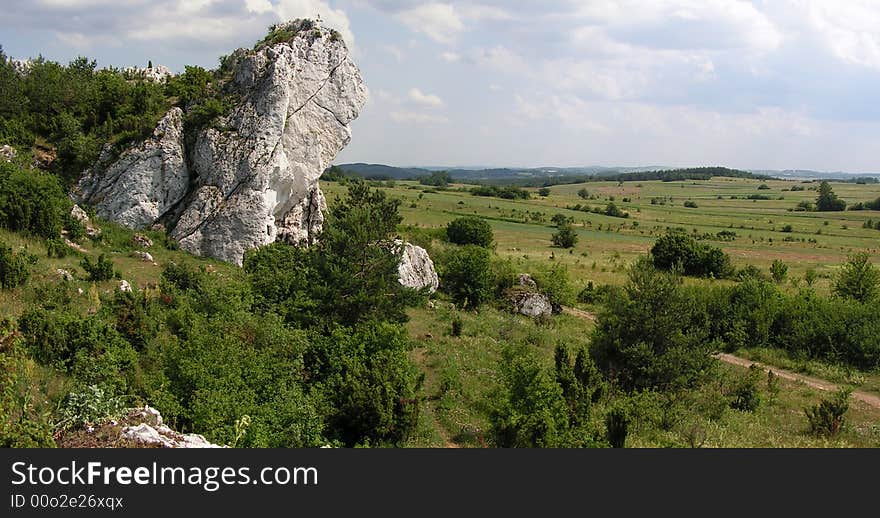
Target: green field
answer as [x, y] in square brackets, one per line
[819, 240]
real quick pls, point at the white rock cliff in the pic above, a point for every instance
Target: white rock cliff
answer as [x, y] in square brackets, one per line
[250, 178]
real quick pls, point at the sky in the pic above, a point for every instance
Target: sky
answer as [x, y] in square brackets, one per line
[776, 84]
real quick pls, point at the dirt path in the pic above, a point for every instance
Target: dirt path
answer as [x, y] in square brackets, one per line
[421, 357]
[809, 381]
[586, 315]
[816, 383]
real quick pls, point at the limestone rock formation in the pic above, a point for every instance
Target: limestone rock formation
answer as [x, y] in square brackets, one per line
[416, 269]
[153, 432]
[250, 177]
[532, 304]
[158, 73]
[143, 183]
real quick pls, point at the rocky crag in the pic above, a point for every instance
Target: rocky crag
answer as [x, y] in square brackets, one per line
[250, 177]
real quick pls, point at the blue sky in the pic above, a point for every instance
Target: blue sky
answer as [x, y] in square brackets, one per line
[777, 84]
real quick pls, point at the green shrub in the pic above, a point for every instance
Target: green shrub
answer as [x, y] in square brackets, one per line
[32, 202]
[456, 326]
[554, 283]
[91, 406]
[14, 266]
[470, 230]
[745, 394]
[56, 247]
[100, 270]
[467, 276]
[676, 249]
[565, 237]
[858, 279]
[691, 204]
[652, 335]
[617, 427]
[827, 418]
[778, 270]
[532, 412]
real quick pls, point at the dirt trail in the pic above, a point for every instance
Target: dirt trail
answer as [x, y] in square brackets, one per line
[586, 315]
[421, 357]
[816, 383]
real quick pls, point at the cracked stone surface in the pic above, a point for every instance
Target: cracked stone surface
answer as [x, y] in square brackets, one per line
[251, 177]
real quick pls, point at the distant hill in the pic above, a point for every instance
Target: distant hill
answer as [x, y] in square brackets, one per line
[543, 176]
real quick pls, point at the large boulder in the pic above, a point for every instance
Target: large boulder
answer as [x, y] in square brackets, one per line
[251, 177]
[532, 304]
[416, 269]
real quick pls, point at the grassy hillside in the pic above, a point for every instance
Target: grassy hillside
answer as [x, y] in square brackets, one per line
[241, 337]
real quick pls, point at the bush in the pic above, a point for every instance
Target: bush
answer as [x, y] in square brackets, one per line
[617, 427]
[584, 193]
[778, 270]
[691, 204]
[56, 247]
[14, 267]
[565, 237]
[469, 230]
[467, 276]
[87, 348]
[100, 270]
[32, 202]
[651, 336]
[554, 283]
[859, 279]
[827, 418]
[456, 326]
[678, 250]
[745, 395]
[544, 192]
[532, 412]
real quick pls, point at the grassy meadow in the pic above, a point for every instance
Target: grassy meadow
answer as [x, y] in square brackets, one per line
[461, 374]
[819, 240]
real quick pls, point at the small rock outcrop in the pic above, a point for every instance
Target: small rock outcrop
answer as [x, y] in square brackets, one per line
[80, 215]
[7, 153]
[416, 269]
[526, 281]
[153, 432]
[157, 74]
[532, 304]
[141, 241]
[251, 176]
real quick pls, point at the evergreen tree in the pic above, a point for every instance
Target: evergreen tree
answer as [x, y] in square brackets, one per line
[828, 201]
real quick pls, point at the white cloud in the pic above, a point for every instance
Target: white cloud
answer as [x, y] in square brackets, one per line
[849, 29]
[394, 51]
[440, 22]
[450, 57]
[408, 117]
[494, 88]
[430, 100]
[499, 58]
[258, 6]
[694, 24]
[479, 12]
